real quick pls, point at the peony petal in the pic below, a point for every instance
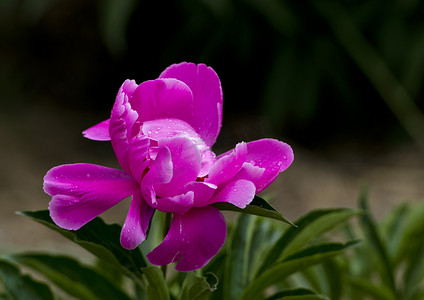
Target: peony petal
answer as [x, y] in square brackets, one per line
[138, 154]
[179, 204]
[123, 124]
[134, 229]
[99, 132]
[160, 172]
[192, 240]
[250, 172]
[81, 192]
[207, 97]
[227, 166]
[203, 192]
[167, 128]
[272, 155]
[239, 193]
[185, 165]
[163, 98]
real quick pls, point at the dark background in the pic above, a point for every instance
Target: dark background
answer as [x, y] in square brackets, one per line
[341, 81]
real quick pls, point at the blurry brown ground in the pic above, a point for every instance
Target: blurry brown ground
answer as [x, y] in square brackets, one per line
[38, 138]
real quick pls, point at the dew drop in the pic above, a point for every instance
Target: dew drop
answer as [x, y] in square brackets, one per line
[88, 175]
[149, 132]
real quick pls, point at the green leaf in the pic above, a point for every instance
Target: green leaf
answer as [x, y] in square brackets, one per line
[297, 262]
[334, 278]
[297, 294]
[369, 288]
[157, 288]
[73, 278]
[410, 234]
[373, 238]
[265, 234]
[310, 226]
[4, 297]
[414, 272]
[258, 207]
[22, 287]
[100, 239]
[198, 288]
[392, 226]
[237, 259]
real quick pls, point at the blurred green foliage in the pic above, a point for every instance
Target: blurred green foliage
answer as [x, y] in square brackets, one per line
[316, 70]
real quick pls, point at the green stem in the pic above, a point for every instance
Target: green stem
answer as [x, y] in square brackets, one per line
[166, 226]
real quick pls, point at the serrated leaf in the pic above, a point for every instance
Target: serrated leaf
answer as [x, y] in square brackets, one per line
[198, 288]
[22, 287]
[69, 275]
[297, 262]
[100, 239]
[157, 288]
[297, 294]
[309, 226]
[258, 207]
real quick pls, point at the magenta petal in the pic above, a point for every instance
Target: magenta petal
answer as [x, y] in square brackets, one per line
[138, 155]
[227, 166]
[163, 98]
[203, 192]
[134, 229]
[167, 128]
[81, 192]
[239, 193]
[250, 172]
[179, 204]
[123, 126]
[99, 132]
[186, 165]
[192, 240]
[207, 97]
[272, 155]
[160, 172]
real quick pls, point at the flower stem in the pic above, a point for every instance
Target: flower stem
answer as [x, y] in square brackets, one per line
[166, 226]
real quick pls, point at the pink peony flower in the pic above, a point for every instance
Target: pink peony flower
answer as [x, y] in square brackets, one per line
[162, 132]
